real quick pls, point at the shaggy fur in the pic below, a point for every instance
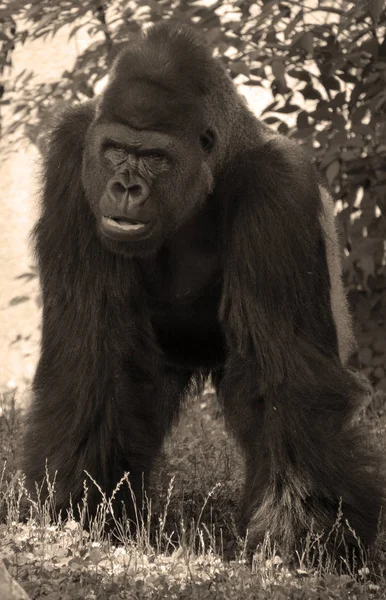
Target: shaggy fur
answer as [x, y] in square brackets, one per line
[240, 278]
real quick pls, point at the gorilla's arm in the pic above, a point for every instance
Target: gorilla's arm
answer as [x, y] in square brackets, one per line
[88, 386]
[274, 248]
[304, 455]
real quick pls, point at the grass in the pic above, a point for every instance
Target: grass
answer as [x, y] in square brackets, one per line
[187, 548]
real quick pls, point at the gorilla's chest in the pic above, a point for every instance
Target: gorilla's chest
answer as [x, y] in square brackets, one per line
[189, 332]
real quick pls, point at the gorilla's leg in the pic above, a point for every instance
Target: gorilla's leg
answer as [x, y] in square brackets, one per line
[307, 462]
[119, 433]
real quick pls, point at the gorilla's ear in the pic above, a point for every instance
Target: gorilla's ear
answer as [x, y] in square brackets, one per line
[276, 280]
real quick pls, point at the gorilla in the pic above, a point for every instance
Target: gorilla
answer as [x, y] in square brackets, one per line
[181, 238]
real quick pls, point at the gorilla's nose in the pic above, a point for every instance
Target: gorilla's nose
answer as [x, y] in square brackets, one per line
[128, 192]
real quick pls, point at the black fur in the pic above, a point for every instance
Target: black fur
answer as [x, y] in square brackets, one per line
[233, 280]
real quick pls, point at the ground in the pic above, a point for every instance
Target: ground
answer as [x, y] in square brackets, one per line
[189, 546]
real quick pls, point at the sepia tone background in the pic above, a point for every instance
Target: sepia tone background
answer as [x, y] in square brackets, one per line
[316, 71]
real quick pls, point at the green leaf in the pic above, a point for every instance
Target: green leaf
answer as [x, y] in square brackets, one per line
[240, 68]
[18, 300]
[339, 100]
[300, 74]
[338, 121]
[323, 138]
[332, 171]
[283, 128]
[270, 107]
[347, 77]
[278, 70]
[330, 82]
[375, 9]
[339, 138]
[267, 11]
[302, 120]
[371, 46]
[306, 132]
[355, 142]
[307, 42]
[367, 264]
[292, 24]
[288, 108]
[271, 37]
[322, 114]
[271, 120]
[310, 93]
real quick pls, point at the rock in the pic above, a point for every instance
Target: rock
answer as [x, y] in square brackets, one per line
[381, 385]
[379, 345]
[9, 588]
[365, 356]
[379, 360]
[379, 373]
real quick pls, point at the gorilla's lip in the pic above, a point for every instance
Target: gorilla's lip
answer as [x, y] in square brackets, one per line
[123, 223]
[124, 227]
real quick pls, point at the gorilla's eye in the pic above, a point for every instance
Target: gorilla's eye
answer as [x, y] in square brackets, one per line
[207, 141]
[115, 153]
[154, 155]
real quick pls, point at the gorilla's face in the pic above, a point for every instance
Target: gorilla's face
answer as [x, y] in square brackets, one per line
[145, 170]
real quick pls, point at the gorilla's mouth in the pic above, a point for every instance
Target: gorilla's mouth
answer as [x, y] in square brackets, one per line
[122, 223]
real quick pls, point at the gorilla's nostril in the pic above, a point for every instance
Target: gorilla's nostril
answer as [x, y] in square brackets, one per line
[118, 188]
[135, 190]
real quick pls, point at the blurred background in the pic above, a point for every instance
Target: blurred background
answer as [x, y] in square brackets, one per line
[314, 70]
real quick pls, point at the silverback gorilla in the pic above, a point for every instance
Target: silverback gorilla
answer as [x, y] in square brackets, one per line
[181, 238]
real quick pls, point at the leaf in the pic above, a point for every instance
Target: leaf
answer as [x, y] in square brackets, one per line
[330, 82]
[268, 6]
[278, 70]
[27, 276]
[95, 555]
[321, 114]
[283, 128]
[278, 87]
[292, 24]
[240, 68]
[371, 46]
[302, 120]
[323, 138]
[300, 74]
[375, 9]
[356, 142]
[339, 100]
[74, 31]
[367, 264]
[347, 77]
[332, 171]
[18, 300]
[339, 138]
[307, 42]
[310, 93]
[358, 114]
[271, 37]
[348, 155]
[338, 121]
[306, 132]
[271, 120]
[270, 107]
[288, 108]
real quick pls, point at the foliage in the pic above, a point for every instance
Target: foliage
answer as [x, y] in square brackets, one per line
[324, 61]
[7, 35]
